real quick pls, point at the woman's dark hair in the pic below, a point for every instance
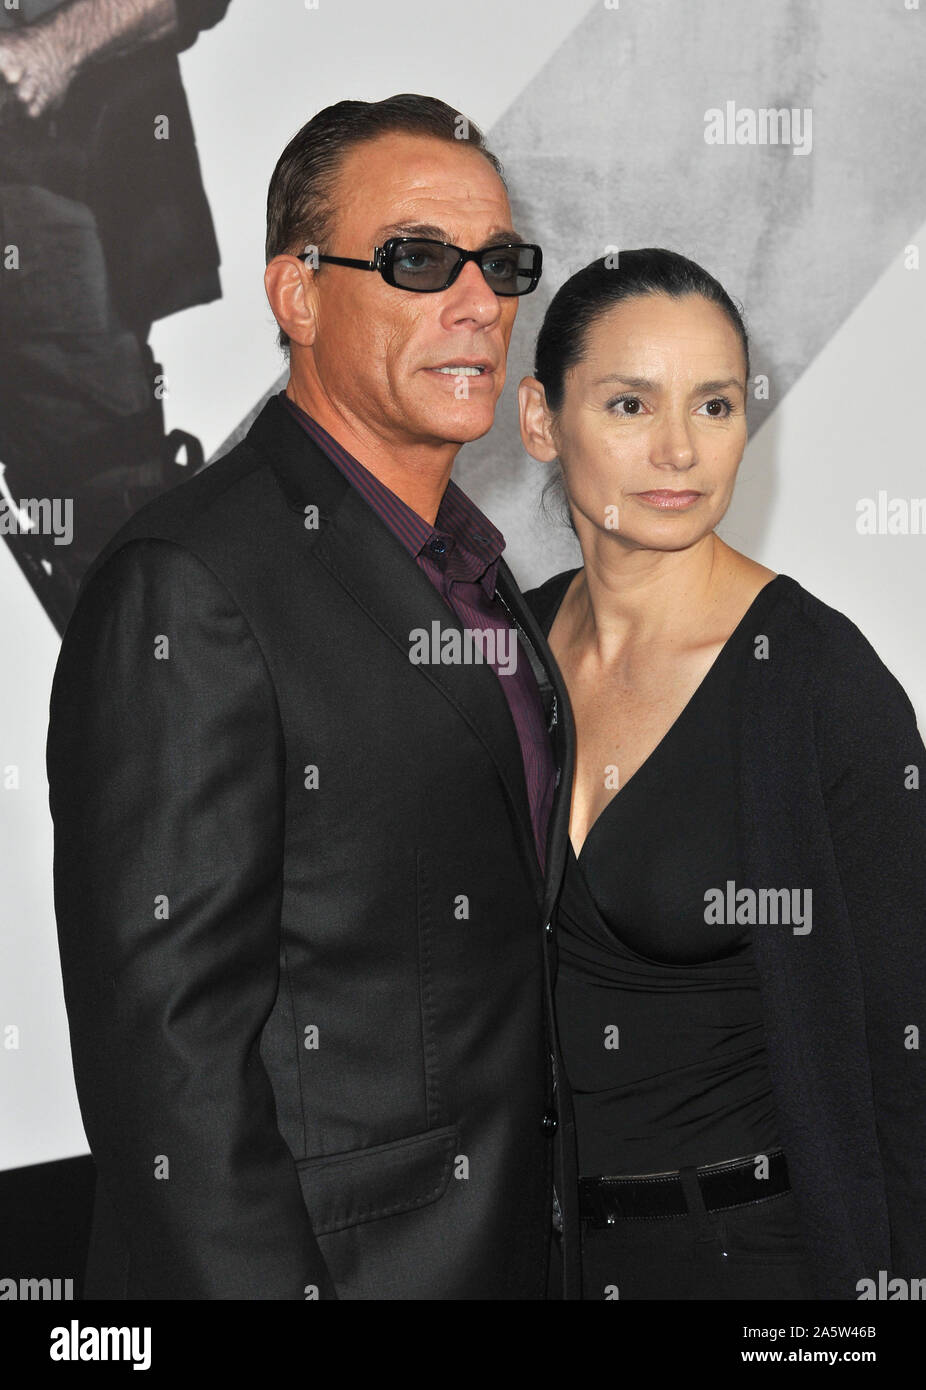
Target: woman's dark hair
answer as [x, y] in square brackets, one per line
[591, 292]
[300, 211]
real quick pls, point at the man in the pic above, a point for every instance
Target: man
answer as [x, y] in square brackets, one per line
[301, 829]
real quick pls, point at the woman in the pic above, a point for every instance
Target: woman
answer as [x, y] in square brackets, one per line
[742, 922]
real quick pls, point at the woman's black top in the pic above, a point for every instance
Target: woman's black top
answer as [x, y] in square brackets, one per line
[659, 1011]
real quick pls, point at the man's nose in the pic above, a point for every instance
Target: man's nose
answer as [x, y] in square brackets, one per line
[470, 297]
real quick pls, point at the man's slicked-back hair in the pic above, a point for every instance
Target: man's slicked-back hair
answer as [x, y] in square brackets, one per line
[300, 211]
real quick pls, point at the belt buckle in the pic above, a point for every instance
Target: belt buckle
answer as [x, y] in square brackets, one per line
[602, 1214]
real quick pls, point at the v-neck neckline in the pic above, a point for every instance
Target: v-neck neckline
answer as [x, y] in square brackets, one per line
[622, 791]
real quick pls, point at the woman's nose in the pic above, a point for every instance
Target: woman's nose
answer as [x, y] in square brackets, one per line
[672, 444]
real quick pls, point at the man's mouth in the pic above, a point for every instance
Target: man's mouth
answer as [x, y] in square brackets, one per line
[462, 368]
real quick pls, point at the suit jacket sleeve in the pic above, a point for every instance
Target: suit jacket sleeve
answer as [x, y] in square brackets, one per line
[873, 762]
[165, 765]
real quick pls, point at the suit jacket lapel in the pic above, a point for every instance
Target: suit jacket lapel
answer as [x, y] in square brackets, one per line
[563, 734]
[360, 552]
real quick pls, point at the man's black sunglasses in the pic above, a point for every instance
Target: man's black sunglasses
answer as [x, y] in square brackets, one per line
[413, 263]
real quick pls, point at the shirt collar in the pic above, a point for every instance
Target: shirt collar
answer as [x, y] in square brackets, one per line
[462, 541]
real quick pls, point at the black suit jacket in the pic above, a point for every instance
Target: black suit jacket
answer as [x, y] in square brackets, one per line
[301, 921]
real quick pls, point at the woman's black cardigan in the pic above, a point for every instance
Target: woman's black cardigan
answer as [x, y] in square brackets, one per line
[831, 763]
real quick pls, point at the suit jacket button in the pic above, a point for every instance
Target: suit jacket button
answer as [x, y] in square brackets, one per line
[549, 1123]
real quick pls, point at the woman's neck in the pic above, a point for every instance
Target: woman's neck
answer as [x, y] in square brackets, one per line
[629, 598]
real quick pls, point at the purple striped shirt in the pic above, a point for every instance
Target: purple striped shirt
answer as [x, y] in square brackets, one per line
[460, 555]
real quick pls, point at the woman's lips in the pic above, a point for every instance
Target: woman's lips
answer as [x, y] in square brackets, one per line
[669, 501]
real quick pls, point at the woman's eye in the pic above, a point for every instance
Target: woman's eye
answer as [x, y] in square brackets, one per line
[633, 403]
[718, 408]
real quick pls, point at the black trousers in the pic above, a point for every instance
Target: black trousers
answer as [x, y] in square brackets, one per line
[750, 1252]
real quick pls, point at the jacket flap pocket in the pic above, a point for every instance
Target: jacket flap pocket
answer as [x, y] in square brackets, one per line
[346, 1189]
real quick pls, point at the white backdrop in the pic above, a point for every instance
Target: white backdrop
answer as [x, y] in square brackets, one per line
[839, 324]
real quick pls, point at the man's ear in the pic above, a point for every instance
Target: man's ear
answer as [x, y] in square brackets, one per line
[290, 286]
[536, 421]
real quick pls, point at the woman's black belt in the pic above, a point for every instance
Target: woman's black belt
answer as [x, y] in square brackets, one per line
[643, 1196]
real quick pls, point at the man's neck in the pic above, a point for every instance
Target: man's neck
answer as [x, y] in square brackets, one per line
[417, 474]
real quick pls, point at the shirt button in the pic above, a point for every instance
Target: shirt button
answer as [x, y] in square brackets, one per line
[437, 546]
[549, 1123]
[548, 928]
